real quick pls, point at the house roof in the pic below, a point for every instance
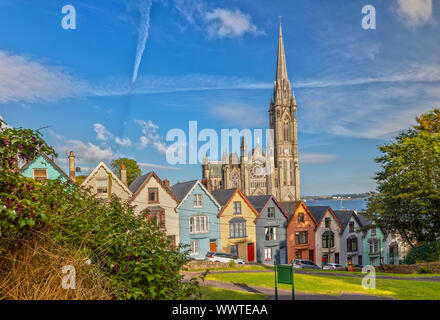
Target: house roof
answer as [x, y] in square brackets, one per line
[45, 156]
[343, 217]
[318, 212]
[184, 189]
[261, 202]
[137, 185]
[107, 169]
[290, 207]
[223, 196]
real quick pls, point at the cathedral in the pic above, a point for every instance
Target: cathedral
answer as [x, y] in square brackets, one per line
[273, 171]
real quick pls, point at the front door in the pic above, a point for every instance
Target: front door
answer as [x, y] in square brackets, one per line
[213, 245]
[250, 252]
[311, 255]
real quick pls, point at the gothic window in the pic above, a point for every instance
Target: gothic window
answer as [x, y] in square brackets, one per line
[235, 180]
[285, 173]
[286, 130]
[291, 172]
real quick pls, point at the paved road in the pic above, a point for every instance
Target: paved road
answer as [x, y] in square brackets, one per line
[286, 294]
[430, 279]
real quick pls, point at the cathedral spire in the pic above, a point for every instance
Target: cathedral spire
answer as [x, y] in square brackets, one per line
[281, 62]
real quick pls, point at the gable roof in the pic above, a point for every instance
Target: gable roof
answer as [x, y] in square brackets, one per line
[137, 185]
[107, 169]
[318, 212]
[45, 156]
[224, 197]
[344, 216]
[184, 189]
[292, 206]
[261, 202]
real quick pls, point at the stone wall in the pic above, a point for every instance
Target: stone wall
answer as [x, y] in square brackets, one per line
[428, 267]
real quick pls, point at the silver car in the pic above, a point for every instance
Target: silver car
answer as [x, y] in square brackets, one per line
[223, 257]
[304, 264]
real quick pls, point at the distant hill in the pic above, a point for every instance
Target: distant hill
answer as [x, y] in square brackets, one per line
[364, 195]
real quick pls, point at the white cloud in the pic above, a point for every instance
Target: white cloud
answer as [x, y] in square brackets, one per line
[316, 158]
[224, 23]
[126, 142]
[150, 136]
[101, 132]
[216, 22]
[87, 152]
[414, 12]
[239, 114]
[26, 79]
[153, 166]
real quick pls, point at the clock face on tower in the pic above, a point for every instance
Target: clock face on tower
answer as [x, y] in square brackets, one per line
[258, 169]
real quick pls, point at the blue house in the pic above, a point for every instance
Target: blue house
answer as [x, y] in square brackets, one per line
[43, 168]
[199, 226]
[374, 242]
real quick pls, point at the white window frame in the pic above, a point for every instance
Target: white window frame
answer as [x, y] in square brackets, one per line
[237, 204]
[267, 232]
[198, 201]
[267, 254]
[194, 247]
[104, 181]
[198, 224]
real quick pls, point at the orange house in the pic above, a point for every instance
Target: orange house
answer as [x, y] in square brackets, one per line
[300, 231]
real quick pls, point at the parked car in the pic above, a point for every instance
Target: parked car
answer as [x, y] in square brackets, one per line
[304, 264]
[333, 266]
[223, 257]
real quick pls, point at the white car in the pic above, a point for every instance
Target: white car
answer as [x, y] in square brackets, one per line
[332, 266]
[223, 257]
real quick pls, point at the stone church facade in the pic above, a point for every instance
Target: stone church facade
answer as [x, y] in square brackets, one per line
[273, 171]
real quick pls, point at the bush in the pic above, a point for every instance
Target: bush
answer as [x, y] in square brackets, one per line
[429, 252]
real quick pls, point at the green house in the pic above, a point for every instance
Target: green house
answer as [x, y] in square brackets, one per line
[43, 168]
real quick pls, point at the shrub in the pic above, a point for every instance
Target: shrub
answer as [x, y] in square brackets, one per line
[231, 263]
[429, 252]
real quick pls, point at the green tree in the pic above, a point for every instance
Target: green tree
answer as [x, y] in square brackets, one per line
[408, 184]
[131, 166]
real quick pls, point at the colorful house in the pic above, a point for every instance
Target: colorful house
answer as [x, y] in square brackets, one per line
[237, 224]
[300, 231]
[198, 218]
[327, 235]
[152, 194]
[102, 182]
[43, 168]
[271, 233]
[374, 243]
[352, 248]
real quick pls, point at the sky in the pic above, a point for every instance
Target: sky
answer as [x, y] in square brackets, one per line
[131, 71]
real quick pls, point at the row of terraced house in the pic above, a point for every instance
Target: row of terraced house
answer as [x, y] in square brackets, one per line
[254, 228]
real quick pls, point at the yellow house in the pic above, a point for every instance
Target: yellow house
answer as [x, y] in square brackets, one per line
[237, 226]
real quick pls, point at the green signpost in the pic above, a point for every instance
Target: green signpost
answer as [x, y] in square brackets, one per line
[284, 274]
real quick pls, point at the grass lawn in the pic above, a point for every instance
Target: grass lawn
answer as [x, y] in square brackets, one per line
[211, 293]
[403, 275]
[226, 268]
[334, 285]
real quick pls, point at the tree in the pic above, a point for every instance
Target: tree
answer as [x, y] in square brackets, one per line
[408, 184]
[131, 166]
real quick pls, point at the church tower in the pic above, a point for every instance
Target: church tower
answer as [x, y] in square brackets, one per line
[283, 121]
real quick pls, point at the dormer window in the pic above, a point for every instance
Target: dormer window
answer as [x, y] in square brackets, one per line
[102, 185]
[40, 174]
[197, 201]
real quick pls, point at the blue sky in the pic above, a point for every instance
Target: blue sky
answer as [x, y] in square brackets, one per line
[214, 62]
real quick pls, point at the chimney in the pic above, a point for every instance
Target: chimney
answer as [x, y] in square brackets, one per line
[72, 166]
[167, 183]
[123, 175]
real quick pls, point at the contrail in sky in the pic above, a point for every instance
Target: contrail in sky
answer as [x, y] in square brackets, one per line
[144, 7]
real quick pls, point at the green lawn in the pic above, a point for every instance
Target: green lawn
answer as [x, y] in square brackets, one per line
[211, 293]
[334, 285]
[235, 268]
[403, 275]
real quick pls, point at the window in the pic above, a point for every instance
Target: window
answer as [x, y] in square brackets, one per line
[326, 241]
[197, 201]
[286, 132]
[237, 229]
[271, 233]
[267, 254]
[300, 217]
[298, 254]
[172, 240]
[157, 217]
[352, 245]
[302, 237]
[198, 224]
[102, 185]
[374, 246]
[351, 226]
[234, 250]
[153, 195]
[327, 222]
[373, 232]
[40, 174]
[271, 213]
[237, 207]
[195, 247]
